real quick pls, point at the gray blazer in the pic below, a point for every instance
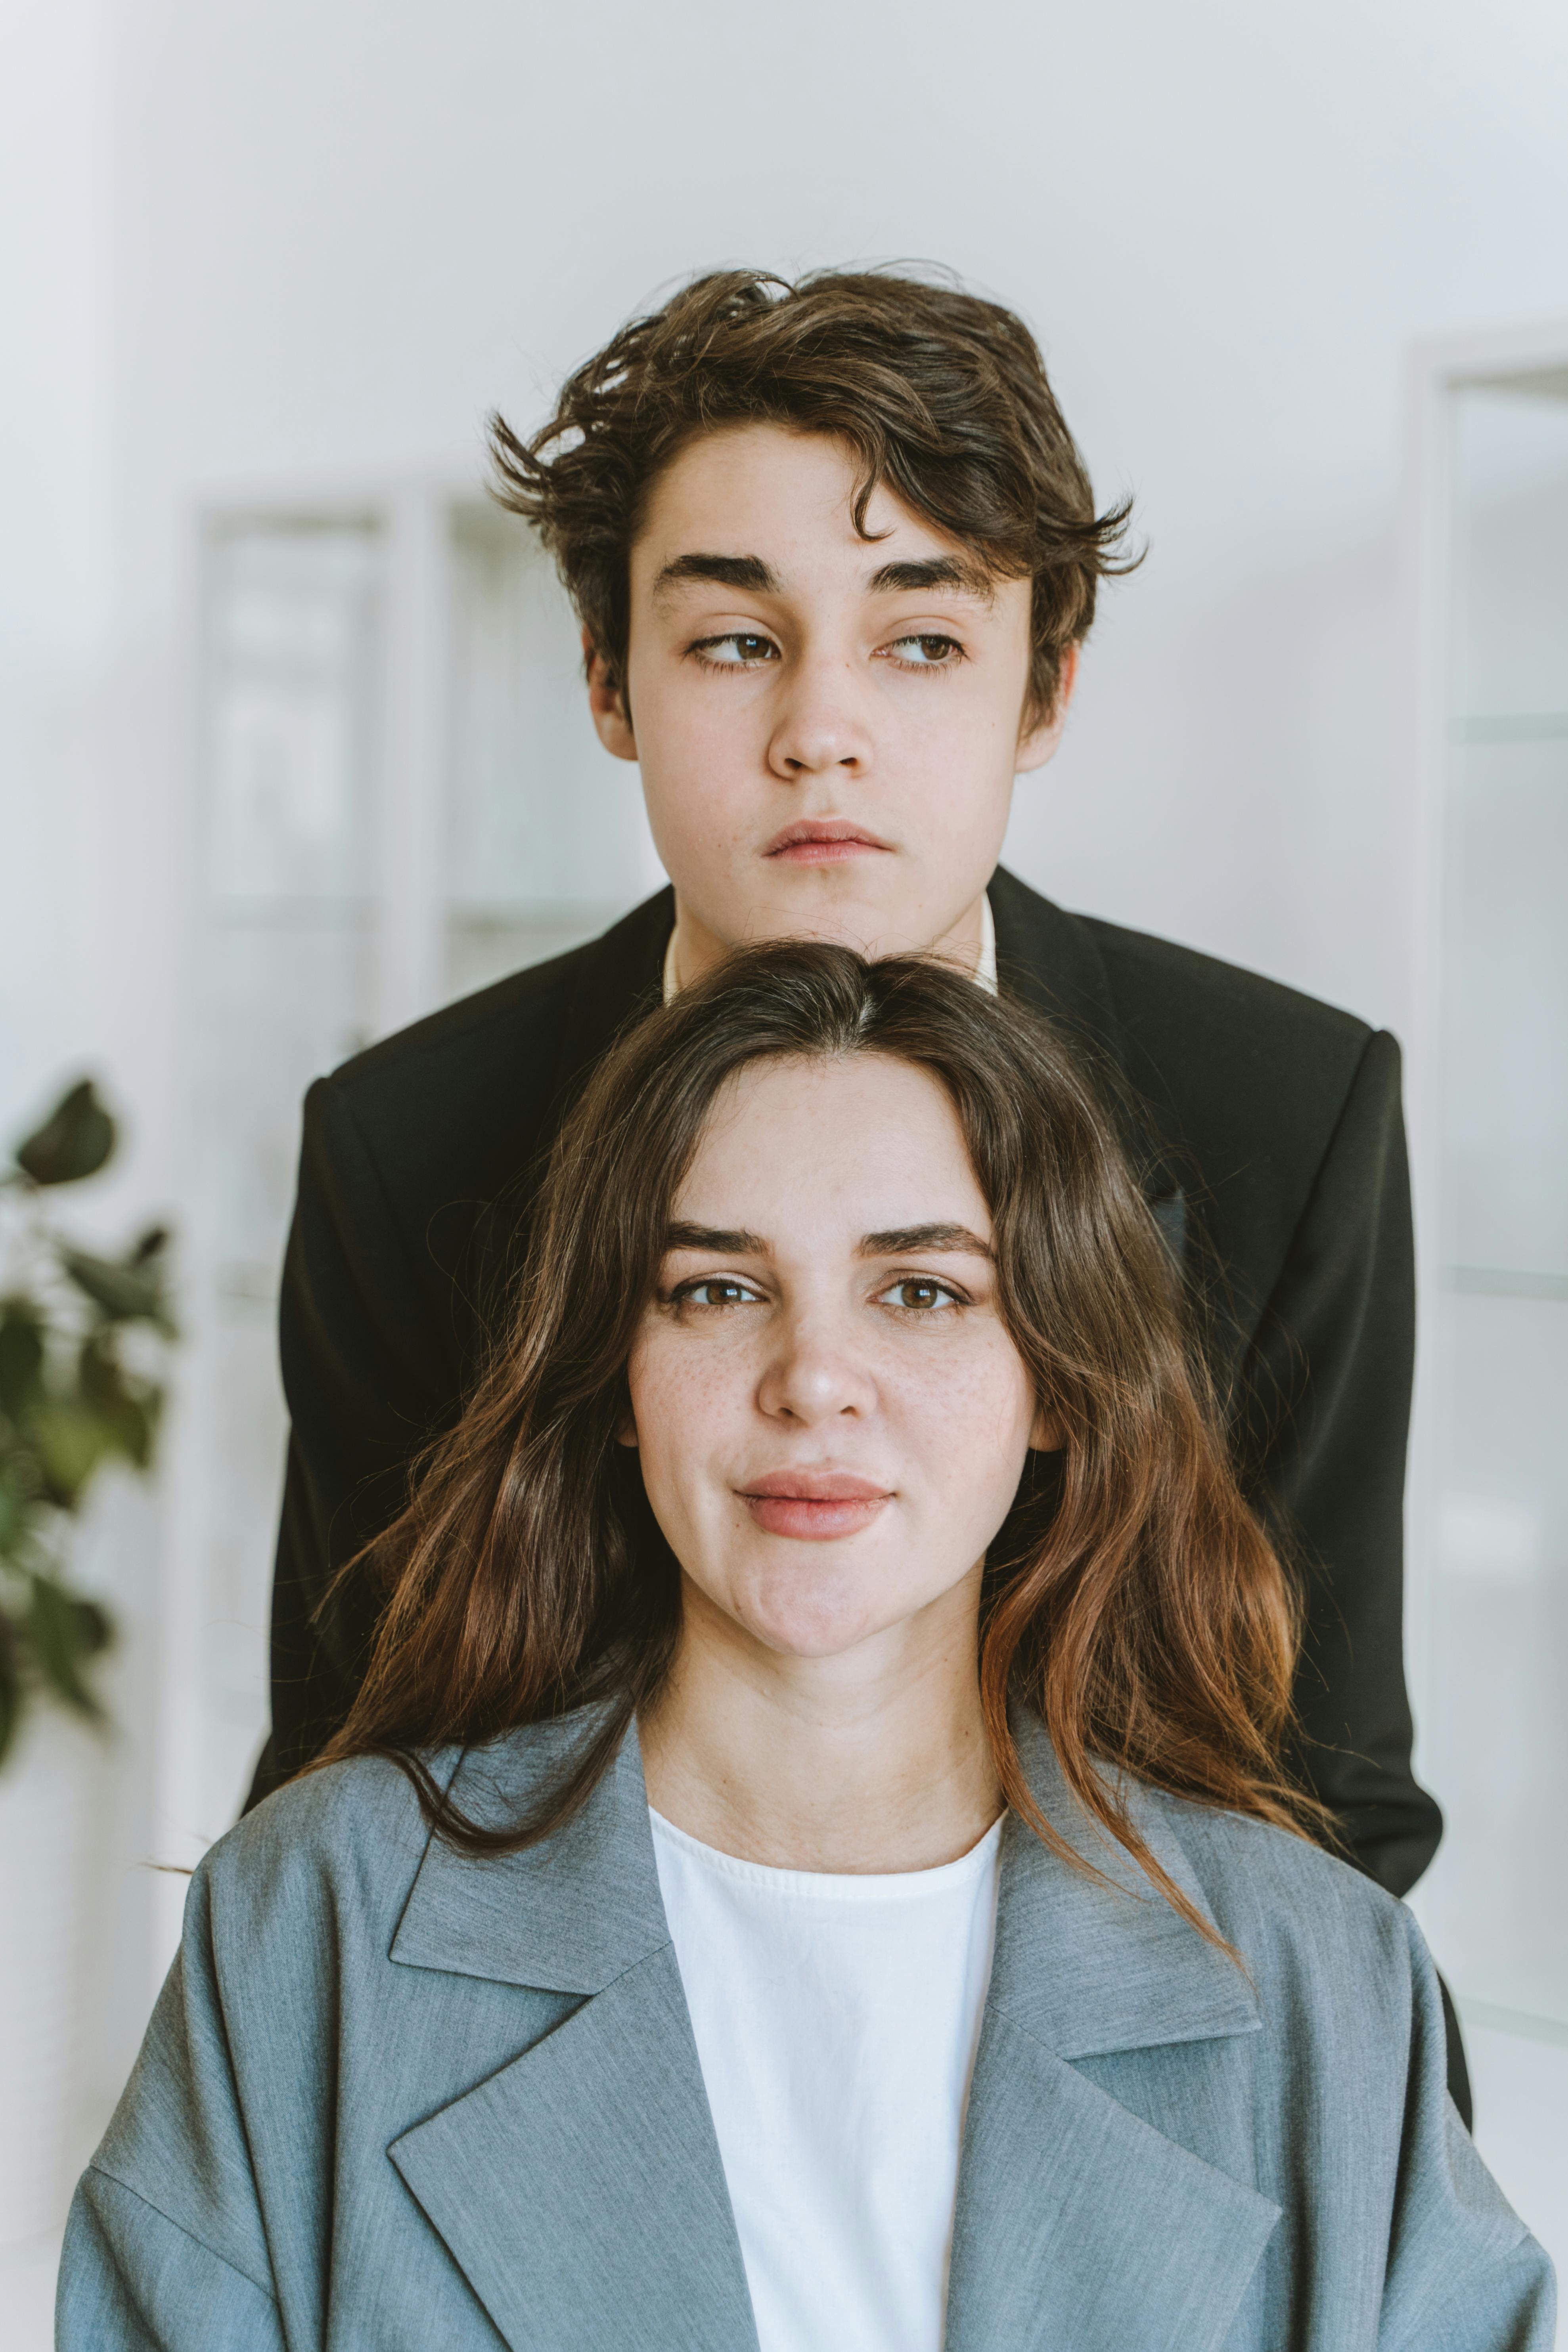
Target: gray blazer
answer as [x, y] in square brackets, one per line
[392, 2097]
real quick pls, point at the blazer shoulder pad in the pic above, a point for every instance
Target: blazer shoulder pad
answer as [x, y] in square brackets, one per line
[1238, 1066]
[354, 1832]
[442, 1051]
[1281, 1900]
[1221, 997]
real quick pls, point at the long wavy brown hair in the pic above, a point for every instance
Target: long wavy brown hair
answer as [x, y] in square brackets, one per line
[1130, 1599]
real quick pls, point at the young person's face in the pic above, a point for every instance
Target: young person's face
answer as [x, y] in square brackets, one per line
[828, 727]
[831, 1415]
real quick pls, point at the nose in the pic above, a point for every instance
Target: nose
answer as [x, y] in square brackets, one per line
[815, 1375]
[821, 726]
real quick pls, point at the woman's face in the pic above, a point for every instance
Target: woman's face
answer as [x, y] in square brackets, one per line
[831, 1415]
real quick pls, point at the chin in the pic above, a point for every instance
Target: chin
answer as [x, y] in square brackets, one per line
[801, 1625]
[829, 902]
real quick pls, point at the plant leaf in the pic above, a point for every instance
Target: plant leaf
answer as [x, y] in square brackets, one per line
[21, 1356]
[13, 1512]
[71, 1440]
[74, 1141]
[123, 1291]
[127, 1409]
[64, 1632]
[10, 1685]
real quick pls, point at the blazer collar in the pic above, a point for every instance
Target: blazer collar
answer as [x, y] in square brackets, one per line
[568, 1915]
[1078, 2222]
[1091, 1965]
[573, 1913]
[580, 2189]
[1047, 956]
[618, 979]
[1052, 960]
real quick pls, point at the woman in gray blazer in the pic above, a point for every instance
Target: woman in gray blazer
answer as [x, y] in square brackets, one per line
[810, 1867]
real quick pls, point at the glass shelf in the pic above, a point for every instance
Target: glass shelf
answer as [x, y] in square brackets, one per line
[1505, 1013]
[1504, 1282]
[1510, 727]
[1553, 2030]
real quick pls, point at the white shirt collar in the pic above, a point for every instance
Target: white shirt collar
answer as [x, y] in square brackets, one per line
[985, 968]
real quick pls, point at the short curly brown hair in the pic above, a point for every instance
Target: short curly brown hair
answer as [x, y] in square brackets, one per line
[941, 394]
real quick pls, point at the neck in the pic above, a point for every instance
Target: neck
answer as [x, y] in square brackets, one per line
[877, 1759]
[698, 949]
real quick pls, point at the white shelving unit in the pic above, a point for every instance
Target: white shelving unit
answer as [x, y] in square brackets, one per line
[1489, 1103]
[398, 797]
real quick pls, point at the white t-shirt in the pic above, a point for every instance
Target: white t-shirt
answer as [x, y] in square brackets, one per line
[836, 2020]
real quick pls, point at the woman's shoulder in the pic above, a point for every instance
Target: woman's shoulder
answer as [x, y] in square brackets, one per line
[329, 1808]
[1278, 1898]
[359, 1826]
[350, 1837]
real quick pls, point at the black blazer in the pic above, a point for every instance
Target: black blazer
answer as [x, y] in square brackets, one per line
[1267, 1128]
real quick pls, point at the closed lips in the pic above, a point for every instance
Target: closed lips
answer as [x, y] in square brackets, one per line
[820, 843]
[814, 1506]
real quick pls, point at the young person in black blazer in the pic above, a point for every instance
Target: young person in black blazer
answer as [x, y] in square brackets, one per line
[834, 552]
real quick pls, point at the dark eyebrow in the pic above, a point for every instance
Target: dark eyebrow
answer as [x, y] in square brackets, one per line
[935, 572]
[721, 1241]
[900, 1241]
[747, 571]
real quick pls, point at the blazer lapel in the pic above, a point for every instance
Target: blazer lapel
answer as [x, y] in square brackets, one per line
[1079, 2226]
[1050, 960]
[619, 977]
[580, 2189]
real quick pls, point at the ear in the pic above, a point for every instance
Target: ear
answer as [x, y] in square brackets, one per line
[1038, 741]
[608, 704]
[626, 1430]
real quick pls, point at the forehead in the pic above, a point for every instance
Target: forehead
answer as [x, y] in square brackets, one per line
[836, 1147]
[748, 489]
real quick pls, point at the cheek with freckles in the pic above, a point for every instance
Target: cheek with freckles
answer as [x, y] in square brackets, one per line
[950, 1429]
[690, 1410]
[965, 1430]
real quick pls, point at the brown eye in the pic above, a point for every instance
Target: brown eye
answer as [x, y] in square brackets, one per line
[919, 1294]
[929, 652]
[715, 1290]
[737, 649]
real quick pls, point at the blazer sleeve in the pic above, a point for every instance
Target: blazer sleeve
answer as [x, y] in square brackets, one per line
[367, 1371]
[164, 2249]
[1327, 1389]
[1462, 2272]
[132, 2280]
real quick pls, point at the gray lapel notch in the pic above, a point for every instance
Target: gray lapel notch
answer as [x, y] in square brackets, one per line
[580, 2189]
[568, 1915]
[1078, 2224]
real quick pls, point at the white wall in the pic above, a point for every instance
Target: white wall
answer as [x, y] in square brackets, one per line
[54, 526]
[76, 953]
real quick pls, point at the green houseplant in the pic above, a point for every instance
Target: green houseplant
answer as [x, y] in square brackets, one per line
[81, 1345]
